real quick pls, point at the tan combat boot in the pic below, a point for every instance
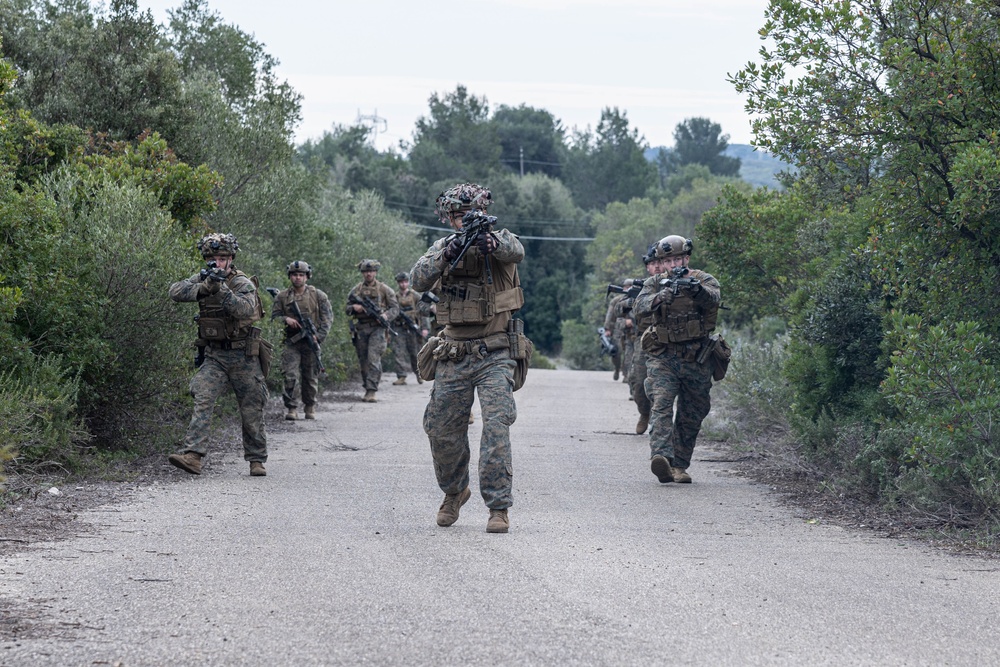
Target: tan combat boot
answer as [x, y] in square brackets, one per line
[369, 397]
[472, 420]
[640, 427]
[661, 468]
[680, 475]
[310, 412]
[292, 414]
[257, 469]
[400, 381]
[187, 461]
[420, 380]
[498, 523]
[448, 512]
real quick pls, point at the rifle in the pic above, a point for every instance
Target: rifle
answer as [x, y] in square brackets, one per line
[677, 281]
[410, 324]
[631, 292]
[308, 330]
[607, 347]
[475, 223]
[372, 310]
[429, 297]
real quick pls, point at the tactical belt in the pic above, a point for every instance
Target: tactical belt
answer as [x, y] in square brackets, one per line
[686, 351]
[453, 350]
[228, 344]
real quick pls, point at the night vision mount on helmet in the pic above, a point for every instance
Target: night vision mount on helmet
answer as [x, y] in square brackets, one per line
[298, 266]
[369, 265]
[672, 246]
[218, 244]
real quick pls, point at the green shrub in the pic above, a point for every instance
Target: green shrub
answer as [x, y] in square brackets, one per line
[758, 395]
[581, 348]
[945, 391]
[539, 360]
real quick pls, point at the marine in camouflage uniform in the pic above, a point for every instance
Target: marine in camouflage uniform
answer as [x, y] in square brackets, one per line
[637, 369]
[406, 344]
[299, 365]
[625, 320]
[612, 329]
[369, 335]
[473, 354]
[684, 315]
[228, 307]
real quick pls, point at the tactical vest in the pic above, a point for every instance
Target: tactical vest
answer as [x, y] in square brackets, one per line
[308, 306]
[215, 325]
[408, 303]
[374, 293]
[682, 320]
[466, 297]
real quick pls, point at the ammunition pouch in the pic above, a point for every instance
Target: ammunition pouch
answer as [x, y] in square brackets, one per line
[212, 329]
[680, 328]
[475, 304]
[521, 349]
[426, 361]
[721, 355]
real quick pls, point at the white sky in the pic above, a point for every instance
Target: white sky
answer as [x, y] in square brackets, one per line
[660, 61]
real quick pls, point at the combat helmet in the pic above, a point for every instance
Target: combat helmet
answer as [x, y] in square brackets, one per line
[369, 265]
[650, 253]
[401, 276]
[672, 246]
[298, 266]
[462, 197]
[218, 244]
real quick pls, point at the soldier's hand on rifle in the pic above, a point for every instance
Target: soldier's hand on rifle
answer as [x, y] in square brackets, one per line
[453, 248]
[486, 243]
[292, 323]
[664, 296]
[358, 308]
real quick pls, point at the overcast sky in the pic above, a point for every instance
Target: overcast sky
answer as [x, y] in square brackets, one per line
[660, 61]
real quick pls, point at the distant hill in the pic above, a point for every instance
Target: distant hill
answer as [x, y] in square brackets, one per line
[757, 167]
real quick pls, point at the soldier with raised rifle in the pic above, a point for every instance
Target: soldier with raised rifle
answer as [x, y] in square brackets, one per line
[373, 305]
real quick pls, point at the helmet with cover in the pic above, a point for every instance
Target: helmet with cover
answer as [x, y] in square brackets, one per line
[673, 246]
[369, 265]
[462, 197]
[218, 244]
[298, 266]
[401, 276]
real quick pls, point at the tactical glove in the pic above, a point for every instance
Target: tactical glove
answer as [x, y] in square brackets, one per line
[485, 243]
[664, 296]
[452, 249]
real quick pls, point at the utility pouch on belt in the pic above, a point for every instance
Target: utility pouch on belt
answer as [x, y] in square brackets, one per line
[426, 361]
[521, 348]
[212, 328]
[721, 354]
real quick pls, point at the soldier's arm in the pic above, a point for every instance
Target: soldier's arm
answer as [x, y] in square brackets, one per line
[325, 316]
[429, 267]
[710, 293]
[609, 318]
[392, 305]
[189, 289]
[644, 302]
[240, 301]
[350, 306]
[277, 308]
[509, 249]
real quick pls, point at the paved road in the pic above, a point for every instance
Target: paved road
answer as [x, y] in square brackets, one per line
[334, 559]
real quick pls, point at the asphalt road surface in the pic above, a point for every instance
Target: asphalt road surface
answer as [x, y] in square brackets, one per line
[334, 558]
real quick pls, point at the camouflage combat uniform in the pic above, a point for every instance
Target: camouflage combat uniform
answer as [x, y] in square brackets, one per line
[671, 344]
[406, 344]
[225, 328]
[613, 329]
[369, 335]
[473, 355]
[299, 365]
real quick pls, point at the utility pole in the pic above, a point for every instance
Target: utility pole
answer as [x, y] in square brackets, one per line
[374, 122]
[521, 148]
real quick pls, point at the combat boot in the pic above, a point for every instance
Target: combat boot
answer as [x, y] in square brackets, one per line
[310, 412]
[472, 419]
[400, 380]
[661, 468]
[187, 461]
[420, 380]
[640, 427]
[257, 469]
[369, 397]
[615, 378]
[680, 475]
[292, 414]
[448, 512]
[498, 523]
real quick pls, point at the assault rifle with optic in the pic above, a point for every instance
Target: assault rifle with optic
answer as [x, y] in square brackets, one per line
[372, 310]
[677, 281]
[475, 223]
[607, 346]
[630, 292]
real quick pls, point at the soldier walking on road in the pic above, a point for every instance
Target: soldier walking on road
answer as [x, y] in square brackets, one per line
[683, 305]
[369, 329]
[478, 296]
[299, 363]
[637, 369]
[406, 344]
[229, 353]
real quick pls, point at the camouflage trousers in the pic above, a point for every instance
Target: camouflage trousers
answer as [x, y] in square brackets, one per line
[370, 346]
[637, 379]
[669, 377]
[224, 369]
[404, 348]
[446, 421]
[301, 373]
[627, 351]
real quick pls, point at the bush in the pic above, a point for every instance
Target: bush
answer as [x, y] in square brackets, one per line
[757, 392]
[581, 348]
